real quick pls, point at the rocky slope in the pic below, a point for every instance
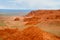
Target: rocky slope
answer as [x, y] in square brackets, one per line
[30, 33]
[40, 16]
[48, 20]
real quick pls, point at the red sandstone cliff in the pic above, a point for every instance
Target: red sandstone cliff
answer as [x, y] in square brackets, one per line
[40, 16]
[48, 20]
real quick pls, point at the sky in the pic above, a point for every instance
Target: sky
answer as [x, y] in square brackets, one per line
[30, 4]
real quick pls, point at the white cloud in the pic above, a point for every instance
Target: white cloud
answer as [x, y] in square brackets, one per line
[18, 1]
[2, 7]
[34, 4]
[5, 7]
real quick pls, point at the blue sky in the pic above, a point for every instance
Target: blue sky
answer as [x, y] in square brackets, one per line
[29, 4]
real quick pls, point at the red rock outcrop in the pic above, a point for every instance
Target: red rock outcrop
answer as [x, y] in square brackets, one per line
[48, 20]
[42, 16]
[16, 19]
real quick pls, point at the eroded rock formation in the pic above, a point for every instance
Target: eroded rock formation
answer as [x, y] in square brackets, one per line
[42, 16]
[48, 20]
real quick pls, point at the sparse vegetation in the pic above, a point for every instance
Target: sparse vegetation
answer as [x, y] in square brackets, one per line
[2, 23]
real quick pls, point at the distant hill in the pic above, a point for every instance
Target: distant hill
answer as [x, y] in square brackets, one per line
[10, 12]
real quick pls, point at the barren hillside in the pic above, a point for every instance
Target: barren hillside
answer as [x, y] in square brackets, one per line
[48, 20]
[30, 33]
